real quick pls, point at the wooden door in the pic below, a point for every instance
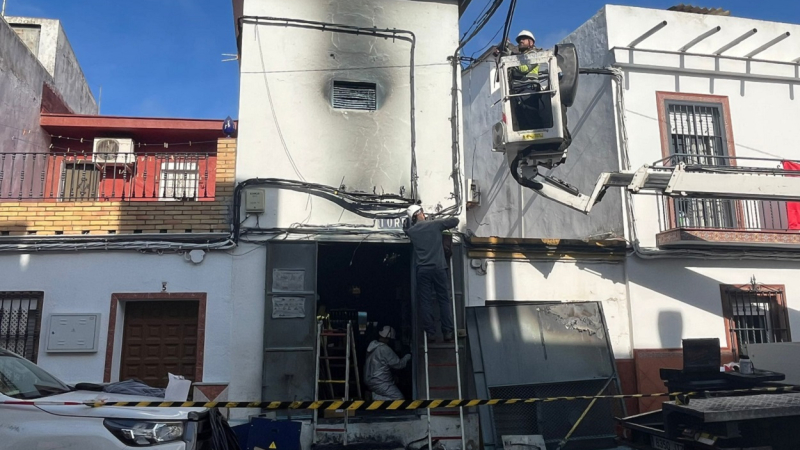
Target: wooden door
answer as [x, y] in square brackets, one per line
[159, 337]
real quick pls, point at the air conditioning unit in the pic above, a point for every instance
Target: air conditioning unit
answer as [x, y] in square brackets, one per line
[113, 151]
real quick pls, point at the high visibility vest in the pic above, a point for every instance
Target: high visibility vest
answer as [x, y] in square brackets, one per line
[529, 71]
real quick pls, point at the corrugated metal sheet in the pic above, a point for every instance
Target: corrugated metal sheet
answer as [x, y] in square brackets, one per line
[700, 10]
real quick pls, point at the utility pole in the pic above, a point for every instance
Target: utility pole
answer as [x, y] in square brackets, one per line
[3, 12]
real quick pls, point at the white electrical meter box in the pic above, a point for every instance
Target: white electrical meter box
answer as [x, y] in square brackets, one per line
[255, 201]
[73, 333]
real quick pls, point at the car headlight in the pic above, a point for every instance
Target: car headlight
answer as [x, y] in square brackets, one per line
[143, 433]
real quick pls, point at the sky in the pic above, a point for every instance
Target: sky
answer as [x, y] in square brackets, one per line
[163, 58]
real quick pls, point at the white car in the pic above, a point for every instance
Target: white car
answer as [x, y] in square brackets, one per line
[51, 427]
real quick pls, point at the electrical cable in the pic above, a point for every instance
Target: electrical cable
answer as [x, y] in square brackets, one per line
[488, 44]
[477, 17]
[137, 144]
[481, 23]
[274, 113]
[507, 26]
[477, 26]
[371, 206]
[222, 435]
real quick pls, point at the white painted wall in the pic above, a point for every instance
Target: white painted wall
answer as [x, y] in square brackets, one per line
[285, 108]
[762, 112]
[558, 281]
[84, 282]
[247, 309]
[680, 298]
[675, 299]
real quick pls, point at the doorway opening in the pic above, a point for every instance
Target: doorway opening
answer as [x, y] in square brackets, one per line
[368, 284]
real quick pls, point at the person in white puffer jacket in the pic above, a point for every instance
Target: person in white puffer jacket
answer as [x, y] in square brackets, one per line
[381, 359]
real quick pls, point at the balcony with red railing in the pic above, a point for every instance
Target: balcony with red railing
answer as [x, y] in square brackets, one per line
[153, 176]
[79, 176]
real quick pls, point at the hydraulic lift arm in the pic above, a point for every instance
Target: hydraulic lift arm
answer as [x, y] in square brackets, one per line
[681, 180]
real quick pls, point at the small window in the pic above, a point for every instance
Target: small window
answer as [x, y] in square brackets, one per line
[19, 322]
[179, 180]
[755, 315]
[354, 95]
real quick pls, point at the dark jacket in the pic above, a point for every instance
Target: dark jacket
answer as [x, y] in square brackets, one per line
[426, 237]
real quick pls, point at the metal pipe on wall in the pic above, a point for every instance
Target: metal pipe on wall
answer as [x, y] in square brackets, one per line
[735, 42]
[647, 34]
[768, 45]
[703, 36]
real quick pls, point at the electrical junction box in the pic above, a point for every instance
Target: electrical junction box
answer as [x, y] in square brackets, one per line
[473, 194]
[73, 333]
[255, 201]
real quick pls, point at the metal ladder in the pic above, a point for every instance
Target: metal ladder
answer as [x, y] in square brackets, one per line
[323, 355]
[457, 366]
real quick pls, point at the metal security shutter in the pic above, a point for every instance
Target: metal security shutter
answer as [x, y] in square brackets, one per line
[352, 95]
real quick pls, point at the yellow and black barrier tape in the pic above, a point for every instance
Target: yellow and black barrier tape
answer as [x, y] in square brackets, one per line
[353, 405]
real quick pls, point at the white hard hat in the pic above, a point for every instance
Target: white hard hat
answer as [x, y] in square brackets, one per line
[387, 332]
[527, 34]
[412, 211]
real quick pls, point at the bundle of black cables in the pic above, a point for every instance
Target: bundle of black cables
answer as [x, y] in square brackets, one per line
[222, 435]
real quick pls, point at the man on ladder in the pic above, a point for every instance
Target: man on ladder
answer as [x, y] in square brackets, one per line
[432, 279]
[381, 359]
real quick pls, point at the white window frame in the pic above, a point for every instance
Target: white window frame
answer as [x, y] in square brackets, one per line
[170, 171]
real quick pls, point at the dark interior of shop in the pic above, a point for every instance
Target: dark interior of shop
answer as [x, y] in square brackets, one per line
[368, 284]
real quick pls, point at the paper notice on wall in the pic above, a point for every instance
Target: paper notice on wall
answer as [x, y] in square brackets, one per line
[288, 307]
[284, 280]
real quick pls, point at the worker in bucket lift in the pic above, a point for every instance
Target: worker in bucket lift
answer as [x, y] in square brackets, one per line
[381, 359]
[432, 280]
[528, 112]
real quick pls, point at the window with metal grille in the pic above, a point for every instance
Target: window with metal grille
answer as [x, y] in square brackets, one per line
[755, 314]
[355, 95]
[19, 322]
[697, 137]
[179, 180]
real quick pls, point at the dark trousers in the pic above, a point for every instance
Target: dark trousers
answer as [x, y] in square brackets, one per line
[433, 288]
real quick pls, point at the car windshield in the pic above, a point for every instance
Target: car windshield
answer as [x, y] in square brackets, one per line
[22, 379]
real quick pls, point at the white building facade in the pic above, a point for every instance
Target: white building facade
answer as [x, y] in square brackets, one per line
[344, 106]
[696, 88]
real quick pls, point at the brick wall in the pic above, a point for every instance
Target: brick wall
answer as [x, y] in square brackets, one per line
[106, 217]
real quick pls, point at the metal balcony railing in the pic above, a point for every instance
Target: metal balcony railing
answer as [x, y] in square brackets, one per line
[719, 214]
[121, 177]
